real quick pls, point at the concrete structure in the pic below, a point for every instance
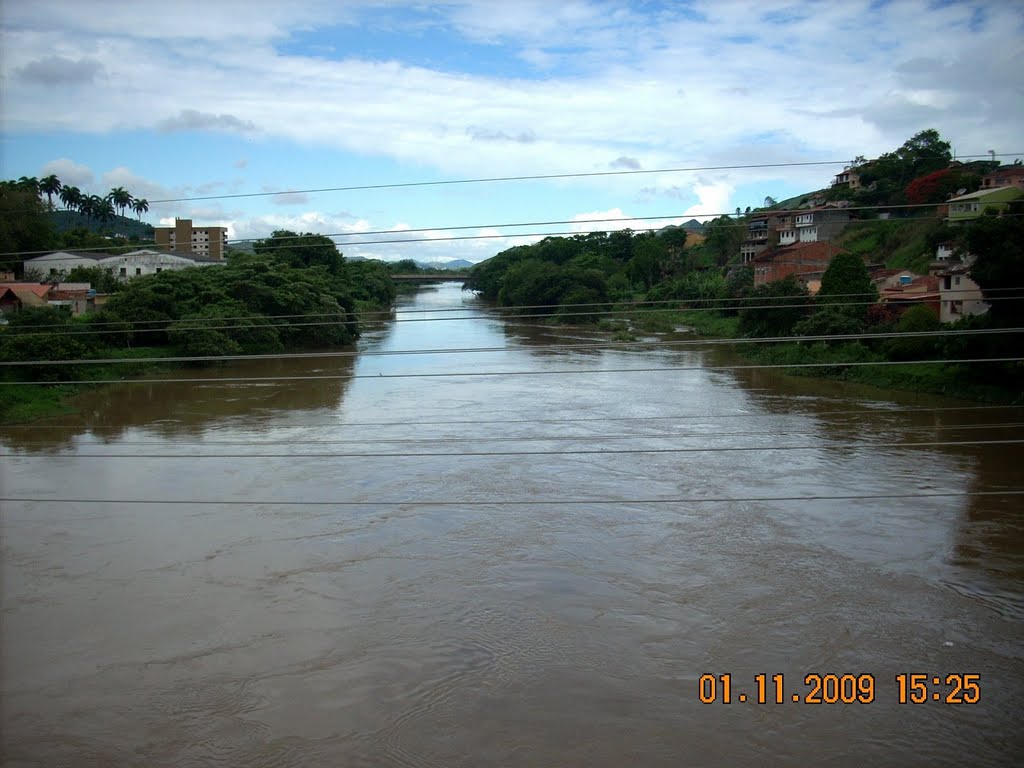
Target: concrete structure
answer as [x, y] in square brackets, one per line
[808, 261]
[847, 178]
[1004, 176]
[760, 234]
[144, 261]
[787, 232]
[205, 242]
[76, 298]
[971, 206]
[910, 289]
[819, 224]
[944, 251]
[959, 295]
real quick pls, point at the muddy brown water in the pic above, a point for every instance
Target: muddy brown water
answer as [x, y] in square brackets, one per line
[347, 632]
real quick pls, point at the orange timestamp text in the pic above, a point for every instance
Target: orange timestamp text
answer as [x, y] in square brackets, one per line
[910, 688]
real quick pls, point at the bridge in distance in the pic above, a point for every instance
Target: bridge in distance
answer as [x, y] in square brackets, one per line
[414, 278]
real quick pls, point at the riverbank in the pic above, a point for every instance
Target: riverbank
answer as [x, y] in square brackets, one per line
[952, 380]
[21, 402]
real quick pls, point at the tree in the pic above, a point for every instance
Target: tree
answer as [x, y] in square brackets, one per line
[24, 225]
[140, 206]
[29, 184]
[120, 198]
[305, 250]
[846, 281]
[916, 319]
[71, 197]
[645, 266]
[50, 186]
[774, 308]
[998, 244]
[722, 239]
[937, 186]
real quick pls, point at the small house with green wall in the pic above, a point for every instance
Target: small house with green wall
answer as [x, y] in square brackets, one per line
[969, 207]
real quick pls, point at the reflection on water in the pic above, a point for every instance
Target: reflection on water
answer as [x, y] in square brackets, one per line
[305, 622]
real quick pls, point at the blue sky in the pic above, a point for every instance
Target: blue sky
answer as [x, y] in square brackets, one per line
[203, 99]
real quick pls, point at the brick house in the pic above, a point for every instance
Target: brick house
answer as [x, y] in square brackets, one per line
[806, 260]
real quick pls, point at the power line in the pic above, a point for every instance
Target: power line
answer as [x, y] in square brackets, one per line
[585, 452]
[610, 345]
[580, 420]
[622, 306]
[285, 246]
[518, 502]
[588, 437]
[190, 324]
[463, 374]
[534, 177]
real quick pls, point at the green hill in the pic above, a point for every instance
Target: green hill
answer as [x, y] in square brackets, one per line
[65, 221]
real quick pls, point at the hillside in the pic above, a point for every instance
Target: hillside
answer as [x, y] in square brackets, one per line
[897, 243]
[65, 221]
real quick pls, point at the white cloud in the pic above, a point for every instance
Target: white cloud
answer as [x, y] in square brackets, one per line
[680, 85]
[69, 172]
[57, 70]
[714, 199]
[194, 120]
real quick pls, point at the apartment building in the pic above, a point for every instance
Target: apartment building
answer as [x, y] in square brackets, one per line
[205, 242]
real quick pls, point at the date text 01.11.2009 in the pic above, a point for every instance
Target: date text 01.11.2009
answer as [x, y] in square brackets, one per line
[909, 688]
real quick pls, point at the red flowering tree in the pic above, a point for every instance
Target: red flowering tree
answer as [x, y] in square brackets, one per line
[936, 187]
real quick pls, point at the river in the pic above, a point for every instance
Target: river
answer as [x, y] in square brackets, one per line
[558, 601]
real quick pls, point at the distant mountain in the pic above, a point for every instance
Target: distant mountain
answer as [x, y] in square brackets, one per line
[65, 221]
[456, 264]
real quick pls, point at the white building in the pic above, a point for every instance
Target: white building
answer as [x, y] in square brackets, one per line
[959, 295]
[144, 261]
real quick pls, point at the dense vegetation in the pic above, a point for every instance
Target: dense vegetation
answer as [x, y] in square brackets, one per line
[295, 292]
[30, 222]
[613, 270]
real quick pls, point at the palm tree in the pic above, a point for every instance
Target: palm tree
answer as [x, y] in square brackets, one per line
[71, 197]
[104, 209]
[29, 183]
[140, 206]
[87, 206]
[120, 197]
[50, 186]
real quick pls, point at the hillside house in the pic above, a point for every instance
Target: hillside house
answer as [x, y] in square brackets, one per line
[1004, 176]
[971, 206]
[959, 295]
[847, 178]
[760, 233]
[819, 224]
[909, 289]
[808, 261]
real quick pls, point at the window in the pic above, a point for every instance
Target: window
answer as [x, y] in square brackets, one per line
[958, 280]
[138, 270]
[159, 270]
[124, 271]
[53, 271]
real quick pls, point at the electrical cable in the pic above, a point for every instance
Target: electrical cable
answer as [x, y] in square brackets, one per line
[517, 502]
[463, 374]
[495, 316]
[888, 411]
[589, 437]
[389, 314]
[573, 233]
[609, 345]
